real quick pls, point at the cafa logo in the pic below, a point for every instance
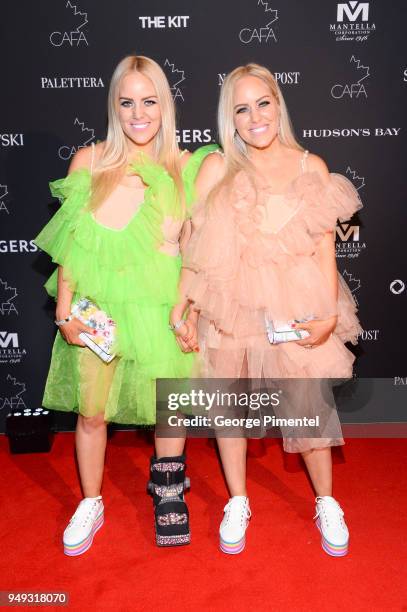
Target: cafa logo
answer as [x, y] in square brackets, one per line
[10, 350]
[87, 136]
[175, 78]
[353, 284]
[357, 88]
[3, 199]
[75, 37]
[347, 234]
[7, 296]
[12, 392]
[352, 22]
[262, 33]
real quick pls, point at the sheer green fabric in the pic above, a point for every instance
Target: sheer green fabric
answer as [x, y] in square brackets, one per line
[125, 274]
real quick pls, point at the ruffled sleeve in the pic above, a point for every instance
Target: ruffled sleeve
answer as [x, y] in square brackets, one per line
[325, 203]
[161, 193]
[162, 187]
[343, 197]
[191, 170]
[73, 192]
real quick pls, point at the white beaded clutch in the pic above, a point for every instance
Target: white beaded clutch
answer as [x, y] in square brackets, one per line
[279, 331]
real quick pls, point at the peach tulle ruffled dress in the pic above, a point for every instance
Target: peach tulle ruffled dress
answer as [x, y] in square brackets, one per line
[255, 255]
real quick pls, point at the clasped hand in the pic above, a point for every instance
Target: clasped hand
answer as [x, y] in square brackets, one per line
[319, 331]
[186, 335]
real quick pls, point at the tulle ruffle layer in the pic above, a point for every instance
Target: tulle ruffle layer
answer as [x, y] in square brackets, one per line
[123, 271]
[124, 390]
[244, 273]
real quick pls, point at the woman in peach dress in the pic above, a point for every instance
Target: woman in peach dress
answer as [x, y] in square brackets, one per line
[263, 248]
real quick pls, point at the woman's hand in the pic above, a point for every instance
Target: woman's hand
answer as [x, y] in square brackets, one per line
[186, 334]
[186, 337]
[192, 336]
[319, 331]
[70, 331]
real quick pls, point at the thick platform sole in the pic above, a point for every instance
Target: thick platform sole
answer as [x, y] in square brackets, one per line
[173, 540]
[232, 548]
[334, 550]
[73, 550]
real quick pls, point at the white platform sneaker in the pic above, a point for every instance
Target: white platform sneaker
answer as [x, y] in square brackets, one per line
[86, 521]
[331, 524]
[233, 527]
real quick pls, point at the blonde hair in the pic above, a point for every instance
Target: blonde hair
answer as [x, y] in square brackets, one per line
[114, 158]
[234, 147]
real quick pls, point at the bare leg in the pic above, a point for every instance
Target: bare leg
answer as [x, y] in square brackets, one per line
[233, 455]
[169, 447]
[90, 438]
[319, 466]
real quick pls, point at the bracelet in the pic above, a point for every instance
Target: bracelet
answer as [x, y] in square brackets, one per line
[176, 325]
[63, 321]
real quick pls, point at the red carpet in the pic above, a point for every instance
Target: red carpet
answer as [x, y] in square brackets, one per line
[283, 566]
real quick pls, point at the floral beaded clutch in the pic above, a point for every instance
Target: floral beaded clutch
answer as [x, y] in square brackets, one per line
[101, 335]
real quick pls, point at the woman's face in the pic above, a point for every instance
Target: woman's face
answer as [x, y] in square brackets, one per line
[256, 112]
[139, 109]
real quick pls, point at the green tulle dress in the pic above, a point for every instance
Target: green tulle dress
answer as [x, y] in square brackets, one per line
[126, 275]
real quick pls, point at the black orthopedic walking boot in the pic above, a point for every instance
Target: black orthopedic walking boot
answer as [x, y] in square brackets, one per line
[167, 484]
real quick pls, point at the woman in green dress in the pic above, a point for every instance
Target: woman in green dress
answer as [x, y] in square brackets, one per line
[117, 239]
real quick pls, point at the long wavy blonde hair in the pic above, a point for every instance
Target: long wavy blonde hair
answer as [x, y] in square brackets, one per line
[234, 148]
[113, 161]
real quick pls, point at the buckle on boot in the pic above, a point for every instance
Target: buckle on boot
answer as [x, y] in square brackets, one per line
[151, 486]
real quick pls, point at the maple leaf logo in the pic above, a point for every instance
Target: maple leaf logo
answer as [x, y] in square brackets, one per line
[84, 16]
[15, 388]
[12, 392]
[7, 293]
[353, 284]
[364, 69]
[3, 193]
[176, 76]
[86, 131]
[358, 181]
[273, 12]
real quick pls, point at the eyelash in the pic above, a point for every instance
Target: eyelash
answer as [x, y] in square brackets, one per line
[244, 108]
[129, 104]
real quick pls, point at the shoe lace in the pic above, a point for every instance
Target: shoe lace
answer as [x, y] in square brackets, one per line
[86, 511]
[242, 509]
[329, 511]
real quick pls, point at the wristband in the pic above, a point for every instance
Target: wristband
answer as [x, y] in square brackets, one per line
[63, 321]
[176, 325]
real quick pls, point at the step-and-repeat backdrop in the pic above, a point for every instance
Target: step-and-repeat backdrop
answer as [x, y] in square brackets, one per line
[343, 71]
